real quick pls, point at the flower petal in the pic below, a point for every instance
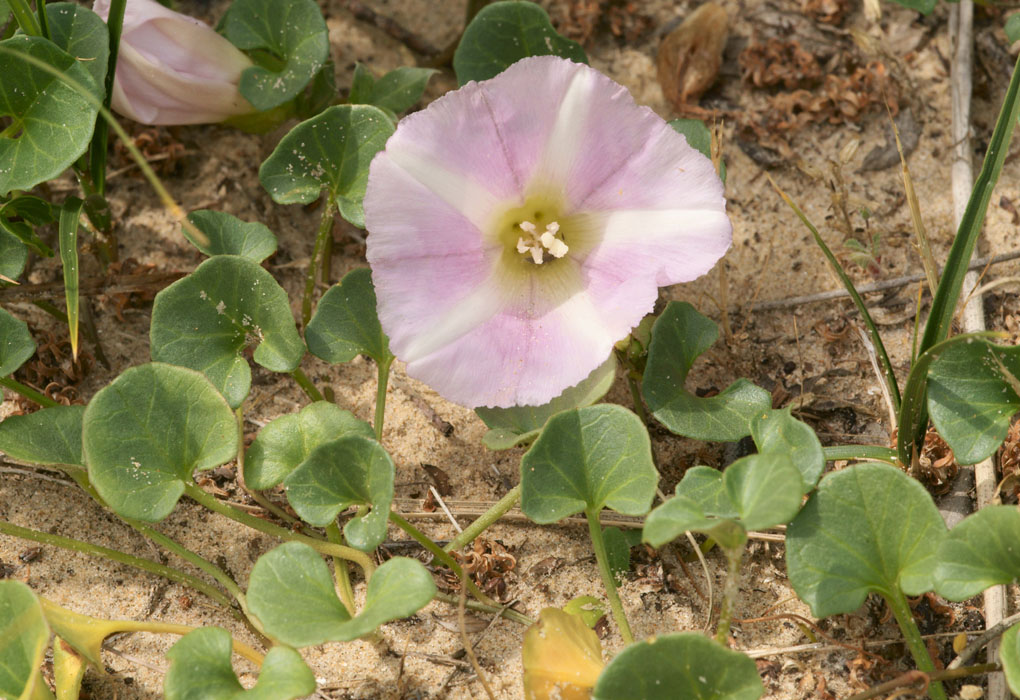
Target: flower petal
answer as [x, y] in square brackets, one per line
[668, 246]
[150, 94]
[514, 359]
[472, 319]
[174, 69]
[427, 259]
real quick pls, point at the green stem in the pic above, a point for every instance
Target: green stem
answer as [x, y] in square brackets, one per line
[28, 392]
[146, 565]
[101, 136]
[734, 555]
[443, 557]
[502, 611]
[26, 19]
[901, 610]
[328, 548]
[602, 557]
[636, 398]
[255, 495]
[380, 395]
[874, 453]
[197, 561]
[327, 259]
[482, 522]
[306, 385]
[325, 229]
[343, 574]
[40, 11]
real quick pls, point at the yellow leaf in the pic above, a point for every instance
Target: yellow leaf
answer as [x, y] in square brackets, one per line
[562, 657]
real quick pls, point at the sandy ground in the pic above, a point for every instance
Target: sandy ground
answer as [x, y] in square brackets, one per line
[807, 355]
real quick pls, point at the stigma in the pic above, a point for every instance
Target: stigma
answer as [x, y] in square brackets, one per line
[538, 244]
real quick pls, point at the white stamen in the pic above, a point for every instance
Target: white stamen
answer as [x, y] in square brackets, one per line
[537, 244]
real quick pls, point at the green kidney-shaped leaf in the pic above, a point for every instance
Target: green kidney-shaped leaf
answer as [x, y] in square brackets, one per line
[145, 433]
[228, 235]
[869, 528]
[757, 491]
[972, 394]
[22, 215]
[16, 344]
[505, 32]
[292, 594]
[330, 151]
[1009, 655]
[777, 431]
[1012, 30]
[200, 670]
[82, 34]
[676, 516]
[396, 91]
[981, 551]
[52, 123]
[353, 470]
[13, 254]
[287, 441]
[50, 436]
[293, 32]
[587, 459]
[765, 488]
[345, 323]
[705, 486]
[509, 427]
[684, 666]
[23, 639]
[679, 336]
[205, 321]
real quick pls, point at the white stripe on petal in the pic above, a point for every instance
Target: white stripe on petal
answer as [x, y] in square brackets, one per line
[468, 196]
[664, 245]
[563, 143]
[482, 304]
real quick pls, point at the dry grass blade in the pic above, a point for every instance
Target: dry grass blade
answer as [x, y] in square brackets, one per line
[921, 244]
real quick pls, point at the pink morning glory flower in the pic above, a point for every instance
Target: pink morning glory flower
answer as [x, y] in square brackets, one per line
[174, 69]
[520, 226]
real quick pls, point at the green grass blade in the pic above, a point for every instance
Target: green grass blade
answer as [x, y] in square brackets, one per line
[943, 305]
[876, 339]
[70, 212]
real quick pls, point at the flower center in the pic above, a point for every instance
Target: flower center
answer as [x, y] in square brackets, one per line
[537, 244]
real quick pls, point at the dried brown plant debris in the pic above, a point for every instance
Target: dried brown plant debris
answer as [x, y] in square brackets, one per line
[1009, 465]
[131, 300]
[841, 100]
[54, 370]
[577, 19]
[936, 464]
[582, 20]
[157, 144]
[626, 21]
[690, 55]
[779, 62]
[826, 11]
[487, 562]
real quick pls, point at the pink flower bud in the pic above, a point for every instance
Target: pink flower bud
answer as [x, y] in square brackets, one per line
[174, 69]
